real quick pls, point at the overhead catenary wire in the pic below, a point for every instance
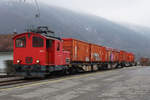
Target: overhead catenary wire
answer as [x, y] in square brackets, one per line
[38, 14]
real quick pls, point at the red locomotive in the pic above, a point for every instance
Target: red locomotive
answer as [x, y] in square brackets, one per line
[38, 53]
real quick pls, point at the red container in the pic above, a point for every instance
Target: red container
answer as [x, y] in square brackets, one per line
[79, 50]
[98, 53]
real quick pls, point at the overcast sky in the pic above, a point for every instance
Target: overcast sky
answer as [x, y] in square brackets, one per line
[128, 11]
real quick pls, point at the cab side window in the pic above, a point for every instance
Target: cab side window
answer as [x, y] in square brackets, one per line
[21, 42]
[48, 43]
[37, 41]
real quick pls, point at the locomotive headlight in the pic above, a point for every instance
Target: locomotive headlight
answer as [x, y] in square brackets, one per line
[37, 61]
[18, 61]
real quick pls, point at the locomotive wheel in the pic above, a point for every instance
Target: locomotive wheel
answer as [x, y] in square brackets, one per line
[72, 70]
[67, 72]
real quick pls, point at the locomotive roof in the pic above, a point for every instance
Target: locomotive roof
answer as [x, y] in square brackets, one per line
[38, 34]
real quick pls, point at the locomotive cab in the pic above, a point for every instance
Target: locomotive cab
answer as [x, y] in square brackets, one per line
[38, 54]
[29, 49]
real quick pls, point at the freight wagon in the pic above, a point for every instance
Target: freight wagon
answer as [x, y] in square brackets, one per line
[145, 61]
[97, 53]
[80, 51]
[112, 58]
[39, 53]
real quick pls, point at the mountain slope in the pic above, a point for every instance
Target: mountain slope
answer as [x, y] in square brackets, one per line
[18, 15]
[145, 31]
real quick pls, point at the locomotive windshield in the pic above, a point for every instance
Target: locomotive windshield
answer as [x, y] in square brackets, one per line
[37, 41]
[21, 42]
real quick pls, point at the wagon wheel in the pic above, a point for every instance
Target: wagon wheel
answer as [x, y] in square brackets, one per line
[109, 66]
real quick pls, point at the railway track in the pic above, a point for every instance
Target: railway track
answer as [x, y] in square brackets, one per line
[6, 76]
[16, 82]
[9, 83]
[10, 80]
[19, 81]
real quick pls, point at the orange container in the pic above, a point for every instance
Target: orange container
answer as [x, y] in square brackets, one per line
[98, 53]
[109, 54]
[116, 55]
[122, 56]
[79, 50]
[112, 55]
[130, 57]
